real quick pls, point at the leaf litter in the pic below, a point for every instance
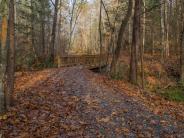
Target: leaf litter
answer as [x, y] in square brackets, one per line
[75, 102]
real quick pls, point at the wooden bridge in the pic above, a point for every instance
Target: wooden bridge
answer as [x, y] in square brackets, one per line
[88, 61]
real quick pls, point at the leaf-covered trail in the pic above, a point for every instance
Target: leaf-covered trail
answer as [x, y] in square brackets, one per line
[70, 103]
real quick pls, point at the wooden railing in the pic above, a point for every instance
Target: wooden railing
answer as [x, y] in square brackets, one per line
[88, 61]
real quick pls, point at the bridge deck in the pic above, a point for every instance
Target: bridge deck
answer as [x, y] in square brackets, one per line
[89, 61]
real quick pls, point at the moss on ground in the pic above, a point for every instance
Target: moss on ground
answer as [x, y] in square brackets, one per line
[174, 93]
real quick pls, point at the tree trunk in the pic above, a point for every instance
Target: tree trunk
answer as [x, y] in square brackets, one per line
[177, 43]
[53, 36]
[71, 22]
[135, 42]
[10, 68]
[143, 44]
[182, 56]
[162, 15]
[153, 42]
[43, 39]
[144, 24]
[130, 36]
[3, 37]
[100, 33]
[167, 27]
[33, 31]
[120, 38]
[43, 29]
[182, 44]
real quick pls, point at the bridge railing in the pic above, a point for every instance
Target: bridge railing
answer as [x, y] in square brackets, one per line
[89, 61]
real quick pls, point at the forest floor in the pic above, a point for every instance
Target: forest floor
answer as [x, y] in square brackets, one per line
[75, 102]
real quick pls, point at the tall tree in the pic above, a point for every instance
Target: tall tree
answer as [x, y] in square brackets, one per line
[163, 27]
[53, 36]
[74, 2]
[135, 42]
[33, 28]
[100, 33]
[182, 43]
[120, 37]
[42, 16]
[3, 34]
[3, 37]
[167, 27]
[143, 43]
[10, 68]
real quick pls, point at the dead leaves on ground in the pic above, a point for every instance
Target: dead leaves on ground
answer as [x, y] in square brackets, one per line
[45, 109]
[154, 102]
[40, 106]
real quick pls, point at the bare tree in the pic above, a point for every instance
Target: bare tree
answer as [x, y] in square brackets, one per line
[143, 43]
[10, 68]
[74, 17]
[53, 36]
[42, 25]
[162, 23]
[182, 43]
[135, 42]
[100, 33]
[3, 38]
[120, 37]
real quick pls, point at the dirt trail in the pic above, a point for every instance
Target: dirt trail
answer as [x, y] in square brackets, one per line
[68, 103]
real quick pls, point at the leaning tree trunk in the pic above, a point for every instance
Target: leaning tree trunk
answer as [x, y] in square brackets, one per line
[120, 38]
[135, 42]
[9, 75]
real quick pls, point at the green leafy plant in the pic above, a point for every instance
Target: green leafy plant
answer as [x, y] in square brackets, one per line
[174, 93]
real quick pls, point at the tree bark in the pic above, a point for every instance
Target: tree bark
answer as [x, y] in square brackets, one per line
[3, 39]
[167, 27]
[71, 22]
[182, 44]
[162, 20]
[43, 29]
[120, 38]
[32, 31]
[10, 68]
[135, 42]
[100, 33]
[153, 41]
[53, 36]
[142, 47]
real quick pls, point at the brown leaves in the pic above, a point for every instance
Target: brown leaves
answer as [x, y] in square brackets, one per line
[154, 102]
[104, 120]
[79, 103]
[3, 117]
[122, 130]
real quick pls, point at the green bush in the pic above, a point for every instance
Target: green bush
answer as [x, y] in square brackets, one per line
[174, 93]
